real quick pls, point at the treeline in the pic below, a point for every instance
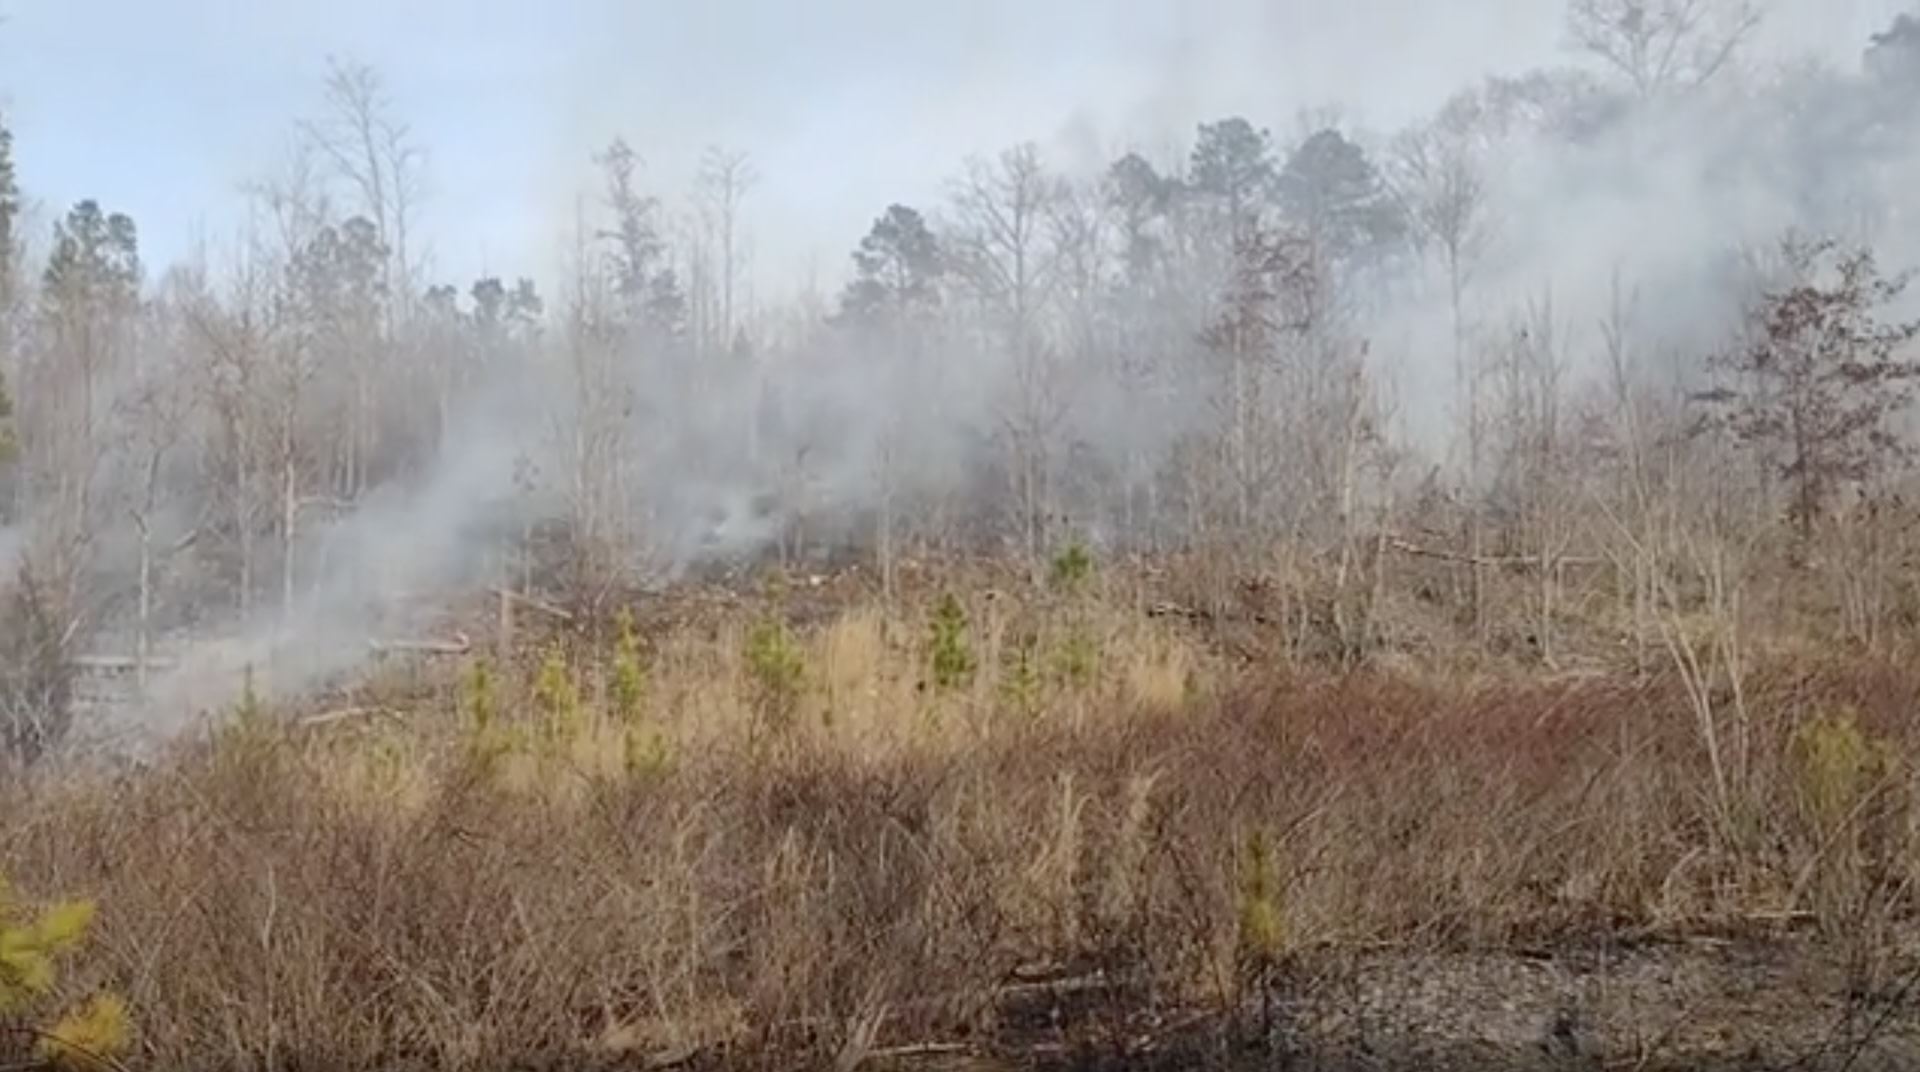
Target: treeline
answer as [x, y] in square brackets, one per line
[1164, 354]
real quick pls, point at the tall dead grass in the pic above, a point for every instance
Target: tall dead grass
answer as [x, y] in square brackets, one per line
[877, 865]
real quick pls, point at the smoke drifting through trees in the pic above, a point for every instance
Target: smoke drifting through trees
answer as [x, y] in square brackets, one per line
[277, 448]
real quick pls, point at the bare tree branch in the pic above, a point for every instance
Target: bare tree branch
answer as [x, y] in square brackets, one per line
[1662, 46]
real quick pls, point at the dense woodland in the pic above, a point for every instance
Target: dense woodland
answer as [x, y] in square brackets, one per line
[1308, 344]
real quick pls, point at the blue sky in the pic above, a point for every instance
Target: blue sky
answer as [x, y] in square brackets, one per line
[162, 109]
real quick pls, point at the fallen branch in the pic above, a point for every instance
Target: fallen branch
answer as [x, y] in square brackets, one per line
[460, 645]
[85, 1055]
[919, 1049]
[328, 718]
[1197, 614]
[540, 605]
[122, 663]
[1491, 561]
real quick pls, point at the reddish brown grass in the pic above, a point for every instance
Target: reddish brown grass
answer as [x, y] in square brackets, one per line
[858, 876]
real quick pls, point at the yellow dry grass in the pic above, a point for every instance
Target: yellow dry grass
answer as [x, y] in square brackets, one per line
[765, 861]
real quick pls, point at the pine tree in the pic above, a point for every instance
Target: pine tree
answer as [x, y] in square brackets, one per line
[32, 944]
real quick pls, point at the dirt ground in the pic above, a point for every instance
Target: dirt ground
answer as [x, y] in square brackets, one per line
[1753, 1002]
[1748, 1003]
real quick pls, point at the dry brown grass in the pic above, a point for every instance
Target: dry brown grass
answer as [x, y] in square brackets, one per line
[869, 859]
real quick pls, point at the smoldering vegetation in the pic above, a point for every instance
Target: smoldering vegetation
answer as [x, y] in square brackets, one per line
[271, 457]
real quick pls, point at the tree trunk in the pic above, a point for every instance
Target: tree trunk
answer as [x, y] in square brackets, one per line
[289, 526]
[143, 635]
[243, 521]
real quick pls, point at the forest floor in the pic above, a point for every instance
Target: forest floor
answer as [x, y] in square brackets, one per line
[1120, 817]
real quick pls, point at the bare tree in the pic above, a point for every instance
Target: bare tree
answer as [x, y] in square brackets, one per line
[155, 413]
[1661, 46]
[275, 350]
[1260, 315]
[363, 144]
[89, 304]
[1002, 249]
[726, 177]
[234, 337]
[1003, 208]
[1359, 572]
[36, 658]
[1081, 234]
[891, 304]
[1439, 178]
[13, 301]
[88, 318]
[1531, 475]
[1148, 301]
[597, 302]
[368, 146]
[1623, 436]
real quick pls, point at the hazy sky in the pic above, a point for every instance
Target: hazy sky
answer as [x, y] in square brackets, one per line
[160, 109]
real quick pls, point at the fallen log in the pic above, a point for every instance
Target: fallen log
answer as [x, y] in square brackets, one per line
[461, 644]
[122, 663]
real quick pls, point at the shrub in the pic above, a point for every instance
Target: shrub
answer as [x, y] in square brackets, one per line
[1020, 678]
[776, 669]
[950, 658]
[1843, 776]
[628, 685]
[1262, 932]
[1078, 657]
[246, 734]
[1071, 567]
[559, 699]
[85, 1035]
[487, 741]
[36, 671]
